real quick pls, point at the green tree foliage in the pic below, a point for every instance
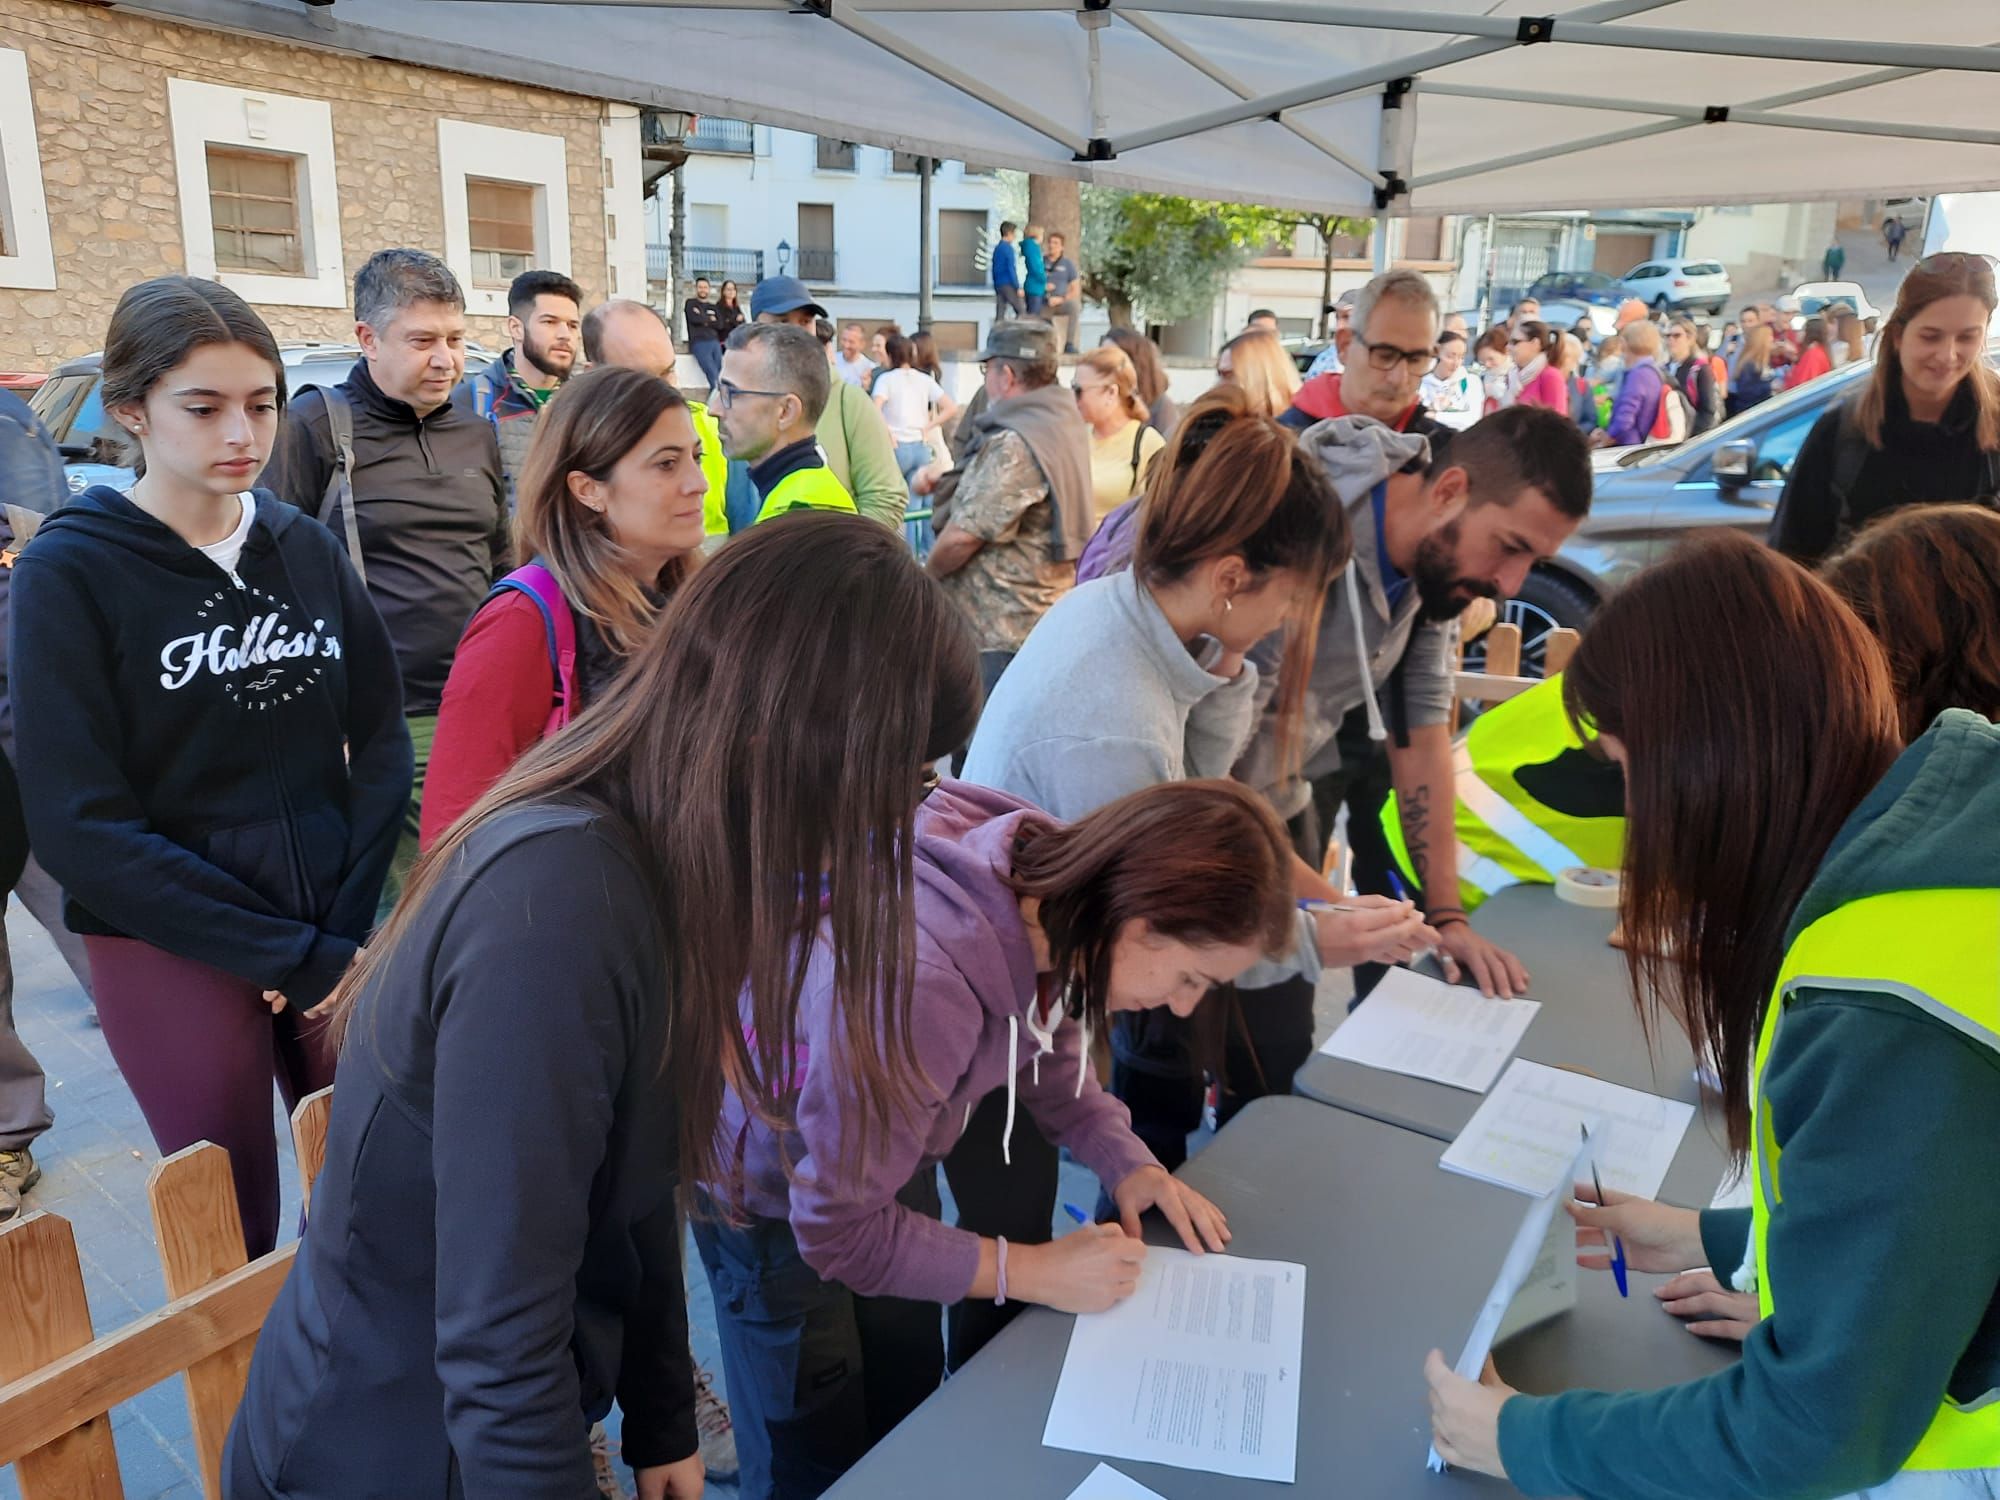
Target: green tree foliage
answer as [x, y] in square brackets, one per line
[1166, 258]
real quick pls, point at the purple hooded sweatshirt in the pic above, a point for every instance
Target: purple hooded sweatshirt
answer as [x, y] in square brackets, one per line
[975, 1021]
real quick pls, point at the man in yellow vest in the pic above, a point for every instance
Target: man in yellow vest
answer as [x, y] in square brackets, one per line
[1533, 798]
[773, 388]
[635, 335]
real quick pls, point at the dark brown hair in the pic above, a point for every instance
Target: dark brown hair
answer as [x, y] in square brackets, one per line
[1542, 336]
[1926, 580]
[589, 426]
[1950, 273]
[159, 323]
[767, 758]
[1201, 862]
[1236, 482]
[1742, 762]
[1146, 361]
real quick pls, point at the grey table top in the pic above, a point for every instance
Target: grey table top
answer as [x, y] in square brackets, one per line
[1400, 1255]
[1587, 1022]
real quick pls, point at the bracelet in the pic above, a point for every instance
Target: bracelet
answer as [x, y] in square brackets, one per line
[1000, 1278]
[1447, 917]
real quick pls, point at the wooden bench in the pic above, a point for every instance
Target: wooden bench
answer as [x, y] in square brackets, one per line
[61, 1380]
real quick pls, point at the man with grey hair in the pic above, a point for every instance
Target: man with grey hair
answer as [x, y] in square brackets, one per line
[1396, 323]
[409, 482]
[774, 386]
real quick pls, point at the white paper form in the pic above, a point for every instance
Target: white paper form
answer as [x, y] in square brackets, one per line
[1198, 1369]
[1524, 1134]
[1448, 1033]
[1106, 1483]
[1531, 1250]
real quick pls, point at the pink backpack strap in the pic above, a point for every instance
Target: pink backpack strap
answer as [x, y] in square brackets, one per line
[540, 585]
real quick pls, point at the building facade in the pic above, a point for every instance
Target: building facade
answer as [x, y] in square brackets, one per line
[760, 201]
[132, 147]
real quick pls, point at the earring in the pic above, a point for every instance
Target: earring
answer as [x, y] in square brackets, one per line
[1228, 605]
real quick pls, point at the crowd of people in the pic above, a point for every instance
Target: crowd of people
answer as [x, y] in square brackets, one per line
[594, 784]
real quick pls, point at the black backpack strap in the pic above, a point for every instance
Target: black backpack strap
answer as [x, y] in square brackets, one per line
[340, 487]
[1138, 442]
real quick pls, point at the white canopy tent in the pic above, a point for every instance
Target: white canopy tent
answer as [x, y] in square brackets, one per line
[1450, 106]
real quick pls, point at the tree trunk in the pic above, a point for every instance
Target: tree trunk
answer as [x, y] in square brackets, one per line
[677, 251]
[1120, 311]
[1326, 279]
[1056, 204]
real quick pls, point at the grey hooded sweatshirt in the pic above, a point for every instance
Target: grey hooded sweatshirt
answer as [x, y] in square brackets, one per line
[1362, 640]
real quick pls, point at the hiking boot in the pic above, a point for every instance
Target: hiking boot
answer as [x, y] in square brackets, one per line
[713, 1426]
[609, 1485]
[18, 1173]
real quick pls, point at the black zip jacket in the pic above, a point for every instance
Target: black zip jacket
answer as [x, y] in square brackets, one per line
[431, 504]
[217, 766]
[494, 1253]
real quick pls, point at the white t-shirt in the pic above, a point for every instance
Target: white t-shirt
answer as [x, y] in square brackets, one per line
[854, 371]
[908, 396]
[225, 552]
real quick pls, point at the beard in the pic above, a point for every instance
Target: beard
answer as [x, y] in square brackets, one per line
[1441, 593]
[558, 363]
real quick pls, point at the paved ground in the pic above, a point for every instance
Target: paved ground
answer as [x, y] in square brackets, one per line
[1867, 263]
[94, 1164]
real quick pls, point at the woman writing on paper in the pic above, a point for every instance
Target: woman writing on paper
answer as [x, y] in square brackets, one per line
[1826, 916]
[1028, 934]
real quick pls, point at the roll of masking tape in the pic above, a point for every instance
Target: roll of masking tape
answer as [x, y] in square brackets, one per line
[1588, 887]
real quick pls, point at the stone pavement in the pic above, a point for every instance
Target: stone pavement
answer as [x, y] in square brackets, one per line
[94, 1164]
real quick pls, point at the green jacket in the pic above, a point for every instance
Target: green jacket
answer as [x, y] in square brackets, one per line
[1891, 1235]
[862, 455]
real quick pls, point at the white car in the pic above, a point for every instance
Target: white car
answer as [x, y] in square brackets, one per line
[1814, 297]
[1674, 284]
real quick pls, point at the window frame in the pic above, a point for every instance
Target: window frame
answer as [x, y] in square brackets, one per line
[296, 233]
[469, 152]
[29, 263]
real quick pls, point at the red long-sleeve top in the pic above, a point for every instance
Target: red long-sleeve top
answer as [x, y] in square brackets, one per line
[496, 704]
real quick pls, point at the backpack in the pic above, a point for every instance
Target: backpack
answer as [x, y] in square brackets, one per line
[1138, 442]
[1675, 416]
[340, 487]
[540, 586]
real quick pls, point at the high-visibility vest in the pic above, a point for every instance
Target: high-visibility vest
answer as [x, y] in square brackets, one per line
[1941, 947]
[1505, 836]
[807, 489]
[714, 468]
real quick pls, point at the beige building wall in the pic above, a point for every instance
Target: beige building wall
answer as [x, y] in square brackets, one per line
[98, 81]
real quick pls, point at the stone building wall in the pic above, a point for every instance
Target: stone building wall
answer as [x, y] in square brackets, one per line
[99, 84]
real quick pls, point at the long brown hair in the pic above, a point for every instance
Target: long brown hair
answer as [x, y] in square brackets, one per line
[1951, 273]
[767, 758]
[1201, 862]
[1925, 579]
[593, 422]
[1741, 765]
[1235, 482]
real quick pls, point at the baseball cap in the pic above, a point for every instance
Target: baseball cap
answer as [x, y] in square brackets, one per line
[782, 294]
[1020, 338]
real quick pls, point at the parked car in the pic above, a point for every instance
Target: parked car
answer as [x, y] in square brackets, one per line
[1675, 284]
[1567, 297]
[71, 405]
[1815, 297]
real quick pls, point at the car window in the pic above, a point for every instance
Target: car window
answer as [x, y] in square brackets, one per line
[1643, 273]
[1704, 268]
[72, 408]
[1778, 445]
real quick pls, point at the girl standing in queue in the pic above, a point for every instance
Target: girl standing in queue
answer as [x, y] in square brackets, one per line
[1536, 378]
[610, 512]
[210, 734]
[1825, 913]
[1926, 427]
[1029, 934]
[544, 1030]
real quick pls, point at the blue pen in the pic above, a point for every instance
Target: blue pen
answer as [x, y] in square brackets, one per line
[1617, 1245]
[1076, 1213]
[1396, 884]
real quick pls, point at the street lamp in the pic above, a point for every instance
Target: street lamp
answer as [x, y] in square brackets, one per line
[784, 257]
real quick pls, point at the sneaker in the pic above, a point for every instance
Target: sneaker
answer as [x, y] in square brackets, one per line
[609, 1485]
[18, 1173]
[713, 1426]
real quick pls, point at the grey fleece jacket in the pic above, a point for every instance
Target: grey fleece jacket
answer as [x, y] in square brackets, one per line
[1357, 625]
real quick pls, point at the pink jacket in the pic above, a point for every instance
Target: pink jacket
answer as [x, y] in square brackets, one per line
[1547, 388]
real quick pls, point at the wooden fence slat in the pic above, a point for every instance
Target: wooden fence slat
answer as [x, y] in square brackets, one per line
[1503, 651]
[200, 1232]
[47, 1397]
[309, 1122]
[48, 1317]
[1558, 646]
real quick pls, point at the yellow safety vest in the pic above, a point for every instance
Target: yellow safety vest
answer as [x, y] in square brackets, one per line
[714, 468]
[1951, 973]
[807, 489]
[1506, 837]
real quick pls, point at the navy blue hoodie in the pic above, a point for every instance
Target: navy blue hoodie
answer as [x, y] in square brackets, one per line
[216, 766]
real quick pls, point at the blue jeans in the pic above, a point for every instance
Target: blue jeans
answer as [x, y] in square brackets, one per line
[708, 354]
[910, 457]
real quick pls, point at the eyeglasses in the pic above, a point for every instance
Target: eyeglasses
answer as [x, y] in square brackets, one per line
[726, 392]
[1385, 357]
[1083, 390]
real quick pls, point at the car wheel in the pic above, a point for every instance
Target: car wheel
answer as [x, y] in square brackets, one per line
[1549, 600]
[1660, 303]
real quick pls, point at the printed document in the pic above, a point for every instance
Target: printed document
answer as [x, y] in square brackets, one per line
[1524, 1134]
[1540, 1269]
[1198, 1369]
[1106, 1483]
[1448, 1033]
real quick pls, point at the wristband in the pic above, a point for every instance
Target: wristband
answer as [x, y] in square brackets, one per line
[1445, 911]
[1000, 1275]
[1448, 918]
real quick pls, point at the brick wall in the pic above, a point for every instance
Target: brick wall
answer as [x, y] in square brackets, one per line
[99, 84]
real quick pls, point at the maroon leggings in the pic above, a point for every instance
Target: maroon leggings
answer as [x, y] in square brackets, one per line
[199, 1049]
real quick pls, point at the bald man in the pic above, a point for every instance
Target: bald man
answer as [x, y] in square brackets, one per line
[635, 335]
